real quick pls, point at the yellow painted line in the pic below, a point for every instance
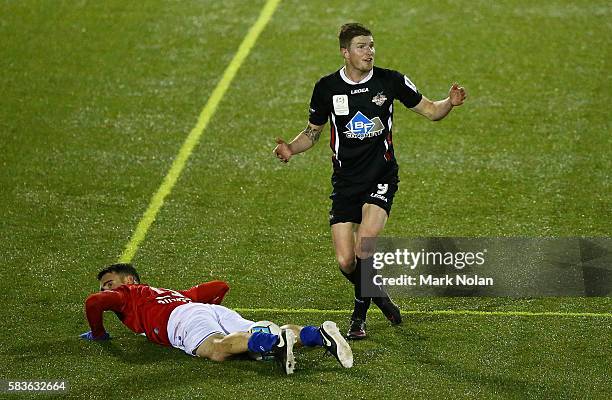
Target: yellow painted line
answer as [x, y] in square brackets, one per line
[157, 201]
[432, 312]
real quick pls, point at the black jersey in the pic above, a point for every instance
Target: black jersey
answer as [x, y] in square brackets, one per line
[361, 116]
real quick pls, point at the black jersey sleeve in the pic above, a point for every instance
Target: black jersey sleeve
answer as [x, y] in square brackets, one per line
[405, 91]
[319, 105]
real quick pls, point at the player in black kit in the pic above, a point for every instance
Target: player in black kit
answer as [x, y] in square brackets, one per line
[358, 101]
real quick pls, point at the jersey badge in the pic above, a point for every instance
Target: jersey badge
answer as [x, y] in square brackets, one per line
[341, 106]
[361, 127]
[379, 99]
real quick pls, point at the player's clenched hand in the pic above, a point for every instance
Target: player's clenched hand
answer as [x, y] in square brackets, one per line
[457, 94]
[89, 336]
[282, 150]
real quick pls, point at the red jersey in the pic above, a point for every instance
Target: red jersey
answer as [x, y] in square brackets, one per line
[146, 309]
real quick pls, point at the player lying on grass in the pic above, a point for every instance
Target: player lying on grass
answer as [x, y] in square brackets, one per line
[192, 320]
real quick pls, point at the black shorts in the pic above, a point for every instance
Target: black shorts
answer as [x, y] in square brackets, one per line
[347, 204]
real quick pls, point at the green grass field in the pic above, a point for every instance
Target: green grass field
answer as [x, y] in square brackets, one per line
[98, 97]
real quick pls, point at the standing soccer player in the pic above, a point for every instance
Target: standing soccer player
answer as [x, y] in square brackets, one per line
[358, 100]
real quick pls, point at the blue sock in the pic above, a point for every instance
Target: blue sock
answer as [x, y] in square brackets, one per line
[311, 336]
[261, 342]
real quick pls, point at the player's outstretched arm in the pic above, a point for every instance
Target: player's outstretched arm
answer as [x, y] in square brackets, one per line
[95, 305]
[437, 110]
[302, 142]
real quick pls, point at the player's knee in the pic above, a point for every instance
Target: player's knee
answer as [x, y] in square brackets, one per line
[346, 262]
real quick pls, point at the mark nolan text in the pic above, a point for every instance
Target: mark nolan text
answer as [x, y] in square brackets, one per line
[430, 280]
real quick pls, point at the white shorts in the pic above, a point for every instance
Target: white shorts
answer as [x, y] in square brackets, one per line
[192, 323]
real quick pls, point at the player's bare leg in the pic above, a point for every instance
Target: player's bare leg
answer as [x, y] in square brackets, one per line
[344, 237]
[373, 222]
[219, 347]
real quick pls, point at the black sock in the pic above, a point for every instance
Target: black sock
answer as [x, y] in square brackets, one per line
[361, 303]
[349, 276]
[360, 309]
[377, 293]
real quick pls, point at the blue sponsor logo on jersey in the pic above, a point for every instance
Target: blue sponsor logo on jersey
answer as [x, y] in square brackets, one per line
[360, 127]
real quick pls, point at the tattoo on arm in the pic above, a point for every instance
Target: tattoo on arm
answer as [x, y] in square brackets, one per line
[312, 133]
